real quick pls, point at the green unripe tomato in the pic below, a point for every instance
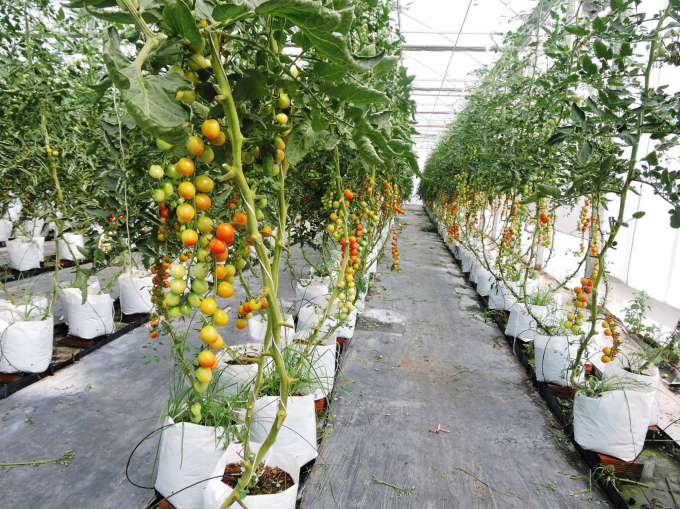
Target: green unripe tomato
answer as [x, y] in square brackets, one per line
[199, 386]
[172, 299]
[159, 195]
[156, 171]
[203, 255]
[185, 309]
[173, 312]
[196, 409]
[168, 189]
[261, 203]
[205, 239]
[240, 263]
[191, 76]
[283, 103]
[177, 286]
[199, 286]
[177, 270]
[172, 172]
[201, 270]
[205, 224]
[162, 144]
[194, 300]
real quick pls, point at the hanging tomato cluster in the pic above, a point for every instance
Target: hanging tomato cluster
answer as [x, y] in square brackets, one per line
[610, 330]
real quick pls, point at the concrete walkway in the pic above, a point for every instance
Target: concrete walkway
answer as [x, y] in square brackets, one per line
[434, 403]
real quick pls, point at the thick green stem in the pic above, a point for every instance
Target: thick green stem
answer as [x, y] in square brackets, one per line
[632, 161]
[273, 311]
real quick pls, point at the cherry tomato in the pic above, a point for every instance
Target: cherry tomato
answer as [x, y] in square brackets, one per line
[202, 201]
[185, 212]
[239, 217]
[225, 232]
[185, 166]
[204, 184]
[195, 145]
[219, 140]
[217, 246]
[211, 129]
[186, 190]
[189, 237]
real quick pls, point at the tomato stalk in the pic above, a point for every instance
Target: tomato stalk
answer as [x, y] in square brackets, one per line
[272, 343]
[630, 177]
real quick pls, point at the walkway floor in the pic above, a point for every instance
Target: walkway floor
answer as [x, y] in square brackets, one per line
[435, 404]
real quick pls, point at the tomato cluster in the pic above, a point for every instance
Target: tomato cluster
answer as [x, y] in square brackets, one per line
[610, 330]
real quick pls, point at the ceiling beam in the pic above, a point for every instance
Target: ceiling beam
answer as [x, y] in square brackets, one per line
[463, 49]
[441, 89]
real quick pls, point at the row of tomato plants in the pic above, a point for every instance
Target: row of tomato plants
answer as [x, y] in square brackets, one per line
[557, 123]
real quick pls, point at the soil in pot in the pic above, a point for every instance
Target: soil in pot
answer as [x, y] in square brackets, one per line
[271, 480]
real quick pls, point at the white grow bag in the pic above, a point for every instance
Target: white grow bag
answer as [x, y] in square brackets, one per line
[216, 492]
[26, 346]
[614, 424]
[187, 454]
[257, 329]
[554, 355]
[520, 323]
[614, 369]
[93, 288]
[34, 227]
[314, 290]
[475, 267]
[466, 260]
[297, 435]
[235, 377]
[500, 297]
[73, 241]
[484, 282]
[39, 240]
[135, 292]
[310, 316]
[321, 365]
[5, 230]
[25, 255]
[89, 320]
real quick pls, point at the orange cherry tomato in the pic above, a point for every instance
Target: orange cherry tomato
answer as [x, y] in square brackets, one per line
[217, 246]
[225, 232]
[211, 129]
[239, 217]
[185, 166]
[219, 140]
[189, 238]
[202, 201]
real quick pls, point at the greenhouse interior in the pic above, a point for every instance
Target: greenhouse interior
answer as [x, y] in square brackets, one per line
[334, 254]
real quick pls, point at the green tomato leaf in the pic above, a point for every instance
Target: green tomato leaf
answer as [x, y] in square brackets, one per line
[323, 26]
[250, 87]
[232, 9]
[366, 149]
[545, 190]
[300, 140]
[638, 215]
[151, 102]
[652, 158]
[585, 152]
[178, 20]
[354, 93]
[530, 199]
